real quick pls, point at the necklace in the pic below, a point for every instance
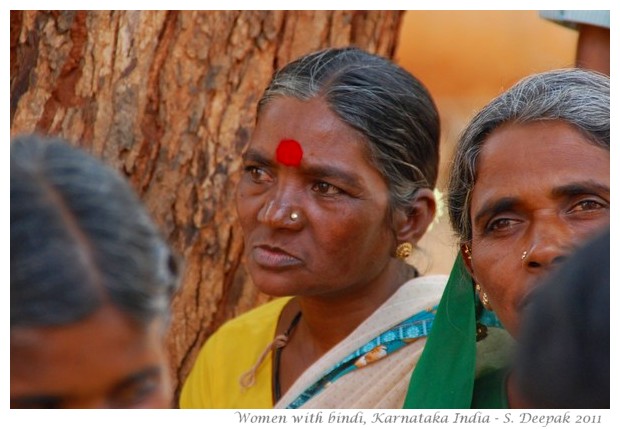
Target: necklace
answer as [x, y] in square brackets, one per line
[276, 359]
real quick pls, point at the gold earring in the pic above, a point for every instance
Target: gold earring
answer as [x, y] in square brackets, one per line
[467, 252]
[484, 298]
[404, 250]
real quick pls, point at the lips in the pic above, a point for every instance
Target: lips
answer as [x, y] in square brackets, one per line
[273, 257]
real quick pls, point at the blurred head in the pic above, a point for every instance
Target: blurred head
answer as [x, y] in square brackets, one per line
[530, 181]
[563, 354]
[364, 139]
[91, 282]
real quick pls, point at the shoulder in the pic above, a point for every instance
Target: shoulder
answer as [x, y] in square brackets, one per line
[232, 350]
[250, 332]
[256, 321]
[424, 289]
[431, 281]
[490, 390]
[495, 351]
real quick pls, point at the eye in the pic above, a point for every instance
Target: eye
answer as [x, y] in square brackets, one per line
[588, 205]
[326, 189]
[257, 174]
[136, 393]
[500, 224]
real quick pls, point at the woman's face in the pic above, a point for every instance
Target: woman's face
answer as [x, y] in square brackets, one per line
[341, 240]
[541, 188]
[104, 361]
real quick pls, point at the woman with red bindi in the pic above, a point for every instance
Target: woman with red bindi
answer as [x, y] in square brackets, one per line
[337, 189]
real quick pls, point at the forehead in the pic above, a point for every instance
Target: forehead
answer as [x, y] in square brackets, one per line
[83, 356]
[539, 154]
[320, 132]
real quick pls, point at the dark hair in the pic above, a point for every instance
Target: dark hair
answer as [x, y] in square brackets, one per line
[80, 239]
[386, 104]
[578, 97]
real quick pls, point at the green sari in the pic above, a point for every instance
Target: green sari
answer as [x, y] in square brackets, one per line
[446, 374]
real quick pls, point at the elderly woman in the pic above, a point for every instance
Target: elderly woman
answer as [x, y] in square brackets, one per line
[91, 281]
[529, 183]
[337, 189]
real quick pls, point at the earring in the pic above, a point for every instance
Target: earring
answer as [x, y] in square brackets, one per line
[467, 252]
[404, 250]
[481, 331]
[484, 298]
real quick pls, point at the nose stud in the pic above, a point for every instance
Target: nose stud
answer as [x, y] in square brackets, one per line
[523, 256]
[294, 216]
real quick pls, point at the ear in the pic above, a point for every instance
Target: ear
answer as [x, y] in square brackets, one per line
[411, 225]
[466, 255]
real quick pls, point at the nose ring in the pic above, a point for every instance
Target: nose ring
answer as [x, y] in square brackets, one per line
[294, 216]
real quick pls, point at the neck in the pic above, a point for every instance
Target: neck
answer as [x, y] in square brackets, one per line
[327, 320]
[515, 398]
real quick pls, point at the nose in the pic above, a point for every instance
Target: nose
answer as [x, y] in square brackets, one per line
[550, 244]
[282, 210]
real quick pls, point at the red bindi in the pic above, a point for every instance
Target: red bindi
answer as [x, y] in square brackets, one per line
[289, 153]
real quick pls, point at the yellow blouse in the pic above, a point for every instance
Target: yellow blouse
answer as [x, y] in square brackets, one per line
[230, 352]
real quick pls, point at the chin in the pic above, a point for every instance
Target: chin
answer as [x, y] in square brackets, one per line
[276, 291]
[273, 284]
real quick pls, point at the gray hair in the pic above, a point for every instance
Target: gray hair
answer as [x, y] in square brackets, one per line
[577, 97]
[386, 104]
[81, 239]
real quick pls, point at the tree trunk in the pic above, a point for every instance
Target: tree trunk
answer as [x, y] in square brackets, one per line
[169, 98]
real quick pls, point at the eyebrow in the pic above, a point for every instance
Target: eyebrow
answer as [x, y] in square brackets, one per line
[35, 401]
[328, 171]
[318, 171]
[53, 401]
[579, 188]
[564, 191]
[252, 155]
[138, 376]
[496, 206]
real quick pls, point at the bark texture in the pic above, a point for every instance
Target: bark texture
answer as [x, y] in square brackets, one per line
[168, 98]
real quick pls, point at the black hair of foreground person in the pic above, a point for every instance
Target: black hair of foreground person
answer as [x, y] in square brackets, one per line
[80, 238]
[564, 346]
[91, 284]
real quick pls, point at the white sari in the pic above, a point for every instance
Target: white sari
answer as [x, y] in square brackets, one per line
[382, 383]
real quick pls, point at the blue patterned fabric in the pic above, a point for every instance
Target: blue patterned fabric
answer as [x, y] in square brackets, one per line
[415, 327]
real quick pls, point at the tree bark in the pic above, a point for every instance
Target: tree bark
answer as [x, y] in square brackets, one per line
[168, 98]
